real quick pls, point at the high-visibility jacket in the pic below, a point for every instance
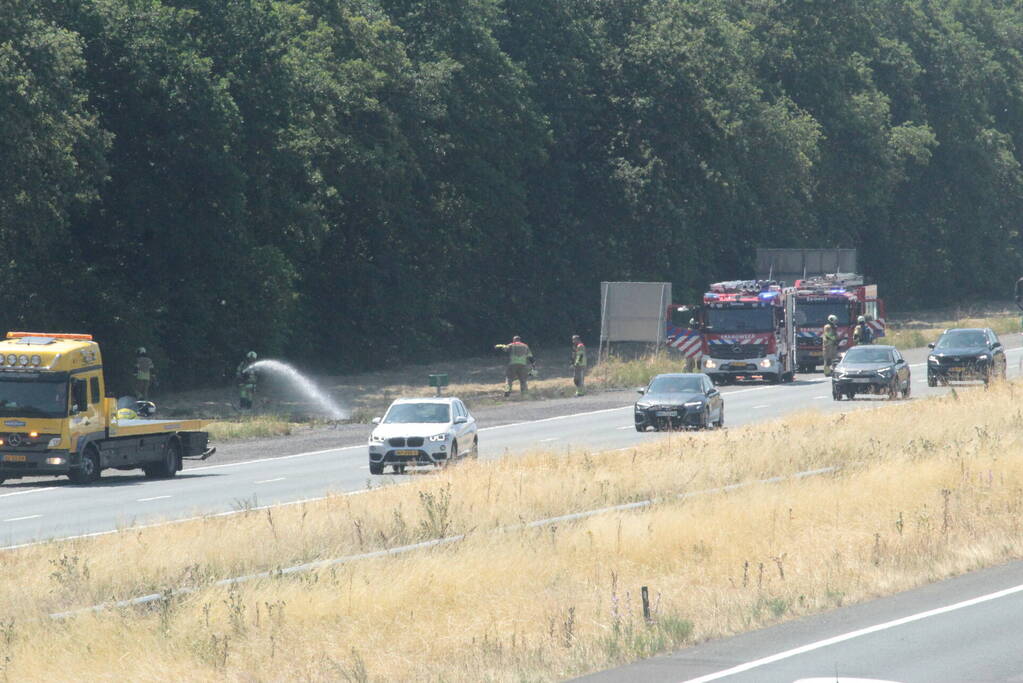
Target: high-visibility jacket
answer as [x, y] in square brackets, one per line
[143, 366]
[830, 336]
[519, 353]
[579, 355]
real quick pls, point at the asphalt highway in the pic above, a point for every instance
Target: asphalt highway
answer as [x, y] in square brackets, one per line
[39, 509]
[964, 629]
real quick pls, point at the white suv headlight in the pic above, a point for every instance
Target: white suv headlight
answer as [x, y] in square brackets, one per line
[439, 437]
[933, 359]
[694, 404]
[373, 438]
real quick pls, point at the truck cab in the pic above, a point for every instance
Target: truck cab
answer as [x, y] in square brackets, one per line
[844, 295]
[55, 418]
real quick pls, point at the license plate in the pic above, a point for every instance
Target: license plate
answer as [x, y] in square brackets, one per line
[406, 452]
[738, 366]
[667, 413]
[861, 380]
[956, 369]
[15, 458]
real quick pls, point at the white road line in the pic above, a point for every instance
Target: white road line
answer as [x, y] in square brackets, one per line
[766, 405]
[267, 481]
[822, 396]
[627, 427]
[553, 438]
[756, 663]
[21, 493]
[146, 500]
[19, 519]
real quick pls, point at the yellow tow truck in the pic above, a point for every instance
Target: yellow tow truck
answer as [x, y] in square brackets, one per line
[55, 418]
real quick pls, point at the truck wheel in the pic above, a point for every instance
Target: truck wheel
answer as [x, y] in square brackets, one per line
[376, 468]
[167, 467]
[89, 470]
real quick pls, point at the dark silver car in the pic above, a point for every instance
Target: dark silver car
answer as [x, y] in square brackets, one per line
[871, 369]
[675, 401]
[966, 354]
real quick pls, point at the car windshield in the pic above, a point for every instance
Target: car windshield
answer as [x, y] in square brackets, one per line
[740, 319]
[868, 354]
[676, 385]
[405, 413]
[961, 339]
[815, 314]
[34, 398]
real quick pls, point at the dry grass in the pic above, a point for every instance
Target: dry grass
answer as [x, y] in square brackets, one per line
[930, 489]
[914, 332]
[250, 427]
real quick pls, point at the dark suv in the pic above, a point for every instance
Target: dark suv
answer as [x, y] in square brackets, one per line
[966, 354]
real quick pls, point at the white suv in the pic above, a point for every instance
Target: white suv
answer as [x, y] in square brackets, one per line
[422, 431]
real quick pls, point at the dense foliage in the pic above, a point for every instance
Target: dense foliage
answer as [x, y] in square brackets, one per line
[349, 182]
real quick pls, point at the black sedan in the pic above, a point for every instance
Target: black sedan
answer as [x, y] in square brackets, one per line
[966, 354]
[871, 369]
[676, 401]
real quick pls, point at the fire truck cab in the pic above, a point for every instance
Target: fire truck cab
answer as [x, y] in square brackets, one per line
[748, 331]
[843, 295]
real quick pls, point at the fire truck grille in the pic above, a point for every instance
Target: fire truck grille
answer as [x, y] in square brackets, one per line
[738, 350]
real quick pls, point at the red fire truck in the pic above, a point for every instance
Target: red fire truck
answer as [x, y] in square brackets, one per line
[843, 295]
[748, 331]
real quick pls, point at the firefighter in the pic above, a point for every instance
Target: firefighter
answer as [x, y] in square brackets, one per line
[246, 376]
[692, 361]
[862, 333]
[143, 373]
[579, 364]
[829, 341]
[519, 356]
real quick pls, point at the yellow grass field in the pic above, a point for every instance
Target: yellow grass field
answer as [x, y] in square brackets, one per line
[927, 489]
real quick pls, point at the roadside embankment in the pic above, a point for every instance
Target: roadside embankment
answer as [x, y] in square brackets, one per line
[926, 489]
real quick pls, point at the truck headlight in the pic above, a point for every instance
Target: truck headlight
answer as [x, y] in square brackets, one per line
[55, 461]
[54, 442]
[709, 363]
[438, 437]
[373, 438]
[766, 363]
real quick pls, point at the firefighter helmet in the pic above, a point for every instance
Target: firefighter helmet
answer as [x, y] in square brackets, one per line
[861, 319]
[832, 318]
[251, 355]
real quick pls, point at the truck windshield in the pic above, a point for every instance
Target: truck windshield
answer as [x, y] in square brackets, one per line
[740, 319]
[815, 313]
[35, 397]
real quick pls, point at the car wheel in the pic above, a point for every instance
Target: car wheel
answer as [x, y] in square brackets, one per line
[932, 381]
[376, 467]
[89, 470]
[399, 469]
[836, 394]
[721, 418]
[474, 452]
[893, 390]
[705, 422]
[454, 451]
[908, 389]
[640, 428]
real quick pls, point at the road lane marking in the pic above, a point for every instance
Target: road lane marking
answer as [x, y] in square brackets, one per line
[766, 405]
[627, 427]
[821, 396]
[19, 519]
[21, 493]
[553, 438]
[146, 500]
[267, 481]
[810, 647]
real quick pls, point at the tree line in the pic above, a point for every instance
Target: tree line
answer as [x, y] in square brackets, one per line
[348, 183]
